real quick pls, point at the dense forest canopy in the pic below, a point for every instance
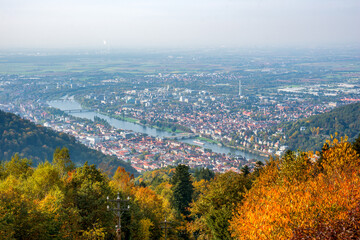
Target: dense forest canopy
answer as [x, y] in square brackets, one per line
[304, 196]
[310, 133]
[45, 194]
[301, 195]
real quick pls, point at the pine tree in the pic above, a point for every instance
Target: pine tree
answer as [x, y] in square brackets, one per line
[204, 173]
[61, 159]
[182, 189]
[356, 145]
[89, 188]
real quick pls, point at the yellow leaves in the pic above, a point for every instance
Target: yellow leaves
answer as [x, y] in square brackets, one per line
[273, 211]
[276, 204]
[199, 187]
[339, 156]
[51, 203]
[122, 180]
[154, 174]
[48, 204]
[152, 209]
[122, 175]
[95, 233]
[9, 183]
[44, 179]
[315, 131]
[145, 197]
[199, 226]
[18, 167]
[164, 190]
[271, 172]
[295, 167]
[145, 229]
[7, 212]
[149, 202]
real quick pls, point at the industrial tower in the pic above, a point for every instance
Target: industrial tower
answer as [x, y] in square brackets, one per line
[240, 88]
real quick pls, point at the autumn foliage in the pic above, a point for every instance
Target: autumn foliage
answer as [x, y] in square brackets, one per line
[344, 229]
[301, 195]
[300, 191]
[55, 201]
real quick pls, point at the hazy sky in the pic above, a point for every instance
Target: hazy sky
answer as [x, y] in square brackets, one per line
[177, 23]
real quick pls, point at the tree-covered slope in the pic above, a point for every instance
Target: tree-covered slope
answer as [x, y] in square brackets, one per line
[38, 143]
[311, 133]
[302, 196]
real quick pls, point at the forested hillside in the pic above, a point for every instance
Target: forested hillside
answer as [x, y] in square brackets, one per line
[310, 133]
[38, 143]
[304, 196]
[301, 195]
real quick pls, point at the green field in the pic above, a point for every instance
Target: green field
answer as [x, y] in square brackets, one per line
[207, 140]
[117, 63]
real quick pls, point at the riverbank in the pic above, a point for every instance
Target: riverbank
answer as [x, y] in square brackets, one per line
[137, 121]
[169, 130]
[136, 126]
[233, 147]
[209, 140]
[253, 151]
[127, 119]
[123, 118]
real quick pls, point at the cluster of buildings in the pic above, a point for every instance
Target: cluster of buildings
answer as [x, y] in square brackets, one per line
[209, 103]
[149, 153]
[240, 122]
[144, 153]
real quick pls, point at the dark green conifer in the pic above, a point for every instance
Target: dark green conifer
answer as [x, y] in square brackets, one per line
[182, 189]
[356, 144]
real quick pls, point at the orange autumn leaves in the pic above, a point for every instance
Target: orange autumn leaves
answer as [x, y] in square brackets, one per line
[297, 191]
[149, 209]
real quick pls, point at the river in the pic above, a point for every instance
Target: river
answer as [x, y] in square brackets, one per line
[71, 104]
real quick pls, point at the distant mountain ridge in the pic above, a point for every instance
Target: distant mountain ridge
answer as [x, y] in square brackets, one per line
[38, 143]
[311, 133]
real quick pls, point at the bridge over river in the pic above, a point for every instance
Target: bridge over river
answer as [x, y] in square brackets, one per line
[74, 108]
[77, 110]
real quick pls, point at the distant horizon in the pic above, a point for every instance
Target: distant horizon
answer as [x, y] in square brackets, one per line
[161, 24]
[89, 50]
